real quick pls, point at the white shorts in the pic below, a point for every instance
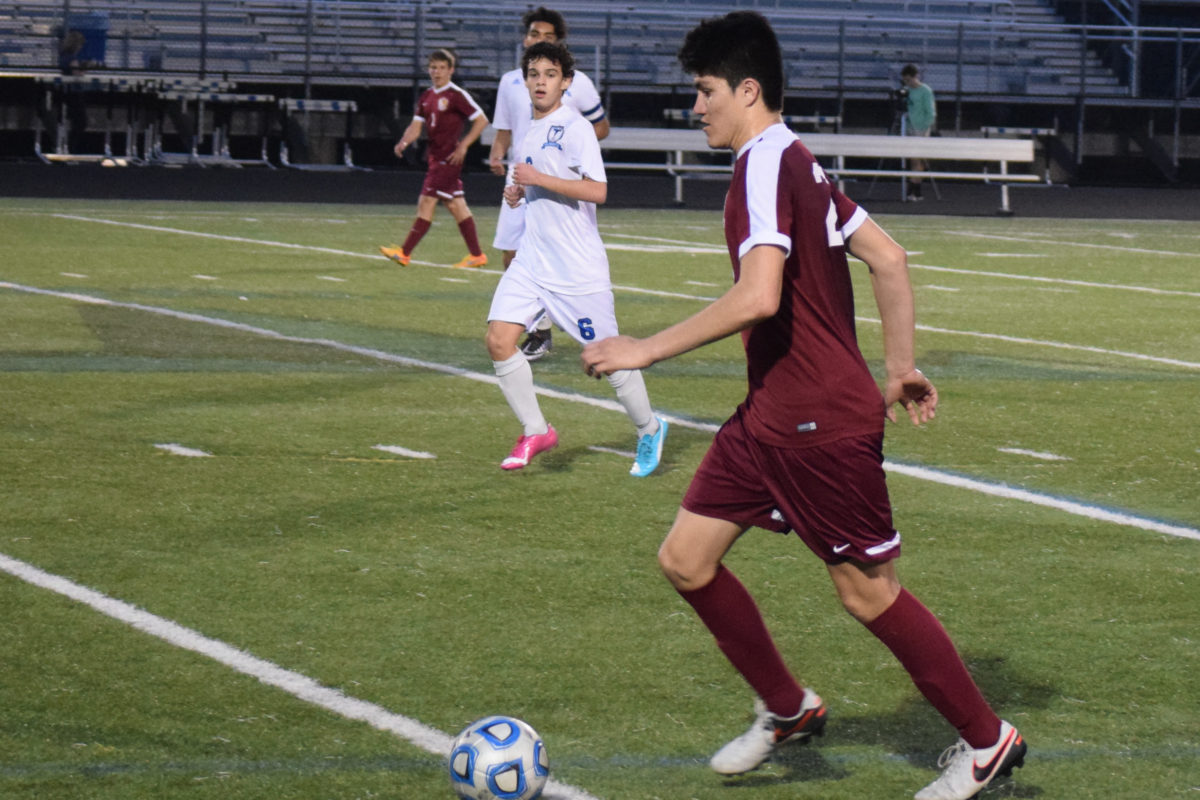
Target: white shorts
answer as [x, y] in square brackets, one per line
[509, 227]
[584, 317]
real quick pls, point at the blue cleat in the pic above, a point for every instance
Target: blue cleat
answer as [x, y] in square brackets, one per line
[649, 451]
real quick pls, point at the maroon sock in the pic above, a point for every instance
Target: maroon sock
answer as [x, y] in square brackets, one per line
[918, 640]
[467, 229]
[420, 228]
[730, 613]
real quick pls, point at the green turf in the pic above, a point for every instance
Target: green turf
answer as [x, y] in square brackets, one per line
[445, 590]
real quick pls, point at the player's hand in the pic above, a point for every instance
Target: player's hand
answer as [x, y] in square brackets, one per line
[609, 355]
[458, 156]
[399, 149]
[915, 393]
[513, 195]
[496, 165]
[526, 175]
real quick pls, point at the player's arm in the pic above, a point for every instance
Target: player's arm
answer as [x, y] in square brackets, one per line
[588, 190]
[754, 298]
[460, 151]
[602, 128]
[411, 134]
[888, 264]
[500, 146]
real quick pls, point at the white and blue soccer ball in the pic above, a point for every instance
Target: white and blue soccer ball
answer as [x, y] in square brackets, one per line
[498, 758]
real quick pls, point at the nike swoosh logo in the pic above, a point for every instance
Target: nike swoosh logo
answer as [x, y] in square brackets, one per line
[984, 772]
[838, 548]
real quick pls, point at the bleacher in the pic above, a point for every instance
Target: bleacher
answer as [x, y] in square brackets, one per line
[977, 46]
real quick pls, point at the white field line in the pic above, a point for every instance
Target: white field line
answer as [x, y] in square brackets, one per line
[1063, 281]
[1174, 362]
[1119, 248]
[1080, 509]
[683, 296]
[1021, 451]
[294, 683]
[180, 450]
[1045, 500]
[402, 451]
[329, 250]
[612, 451]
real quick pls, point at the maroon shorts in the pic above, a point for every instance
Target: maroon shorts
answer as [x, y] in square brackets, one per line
[443, 181]
[834, 496]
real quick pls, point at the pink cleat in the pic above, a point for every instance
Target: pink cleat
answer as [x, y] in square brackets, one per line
[529, 446]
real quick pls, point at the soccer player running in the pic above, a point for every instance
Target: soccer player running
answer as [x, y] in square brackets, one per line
[804, 451]
[511, 122]
[561, 265]
[447, 108]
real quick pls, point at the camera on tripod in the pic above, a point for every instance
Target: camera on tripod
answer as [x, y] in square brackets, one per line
[900, 98]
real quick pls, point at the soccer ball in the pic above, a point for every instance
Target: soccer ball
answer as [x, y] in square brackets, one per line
[498, 758]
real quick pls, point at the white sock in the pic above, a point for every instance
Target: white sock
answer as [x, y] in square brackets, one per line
[516, 382]
[631, 392]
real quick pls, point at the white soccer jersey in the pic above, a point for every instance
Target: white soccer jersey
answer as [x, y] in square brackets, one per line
[561, 248]
[514, 109]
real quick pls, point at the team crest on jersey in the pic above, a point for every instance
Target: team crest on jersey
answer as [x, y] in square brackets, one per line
[554, 136]
[443, 103]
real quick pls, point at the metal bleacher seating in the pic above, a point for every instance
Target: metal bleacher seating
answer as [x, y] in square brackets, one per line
[990, 46]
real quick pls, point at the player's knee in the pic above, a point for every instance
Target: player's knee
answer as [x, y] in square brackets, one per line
[683, 574]
[499, 346]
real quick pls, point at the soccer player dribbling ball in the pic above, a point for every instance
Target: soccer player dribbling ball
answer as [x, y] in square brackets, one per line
[561, 265]
[446, 107]
[804, 451]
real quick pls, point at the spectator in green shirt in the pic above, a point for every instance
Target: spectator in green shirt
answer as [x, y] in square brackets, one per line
[922, 119]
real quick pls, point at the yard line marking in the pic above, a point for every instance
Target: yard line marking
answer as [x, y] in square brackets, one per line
[1012, 255]
[454, 280]
[72, 275]
[701, 298]
[180, 450]
[403, 451]
[1119, 248]
[612, 451]
[204, 277]
[294, 683]
[1020, 451]
[330, 250]
[330, 278]
[662, 248]
[1064, 281]
[1038, 499]
[1174, 362]
[925, 473]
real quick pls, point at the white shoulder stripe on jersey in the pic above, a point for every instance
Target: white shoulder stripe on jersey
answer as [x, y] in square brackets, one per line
[762, 182]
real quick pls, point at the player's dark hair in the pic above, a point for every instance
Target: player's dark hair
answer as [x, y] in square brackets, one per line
[543, 14]
[554, 52]
[444, 54]
[737, 46]
[909, 69]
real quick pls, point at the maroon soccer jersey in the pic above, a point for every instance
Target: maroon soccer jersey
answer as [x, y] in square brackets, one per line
[808, 382]
[444, 112]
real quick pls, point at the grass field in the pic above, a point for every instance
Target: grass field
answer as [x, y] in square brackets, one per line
[280, 609]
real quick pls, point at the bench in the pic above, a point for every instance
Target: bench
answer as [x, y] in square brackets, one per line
[676, 143]
[293, 128]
